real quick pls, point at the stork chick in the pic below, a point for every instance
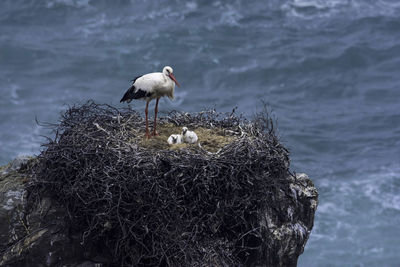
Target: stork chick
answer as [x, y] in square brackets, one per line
[174, 139]
[189, 136]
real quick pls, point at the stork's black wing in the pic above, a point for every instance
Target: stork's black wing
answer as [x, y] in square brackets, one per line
[132, 93]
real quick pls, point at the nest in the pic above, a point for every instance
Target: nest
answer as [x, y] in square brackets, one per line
[152, 206]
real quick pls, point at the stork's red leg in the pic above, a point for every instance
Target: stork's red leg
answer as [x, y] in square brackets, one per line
[155, 117]
[146, 111]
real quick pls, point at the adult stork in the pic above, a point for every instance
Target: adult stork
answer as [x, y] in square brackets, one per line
[152, 86]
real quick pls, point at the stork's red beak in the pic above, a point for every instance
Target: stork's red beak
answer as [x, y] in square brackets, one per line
[173, 78]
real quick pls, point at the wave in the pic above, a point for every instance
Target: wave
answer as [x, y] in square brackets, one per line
[10, 94]
[382, 188]
[379, 187]
[68, 3]
[311, 9]
[360, 211]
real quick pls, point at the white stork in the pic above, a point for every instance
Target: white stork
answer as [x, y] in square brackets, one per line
[152, 86]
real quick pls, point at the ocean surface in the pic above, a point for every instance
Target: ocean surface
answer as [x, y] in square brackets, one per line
[329, 71]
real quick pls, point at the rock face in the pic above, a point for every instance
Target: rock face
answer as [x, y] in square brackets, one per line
[289, 236]
[37, 238]
[42, 236]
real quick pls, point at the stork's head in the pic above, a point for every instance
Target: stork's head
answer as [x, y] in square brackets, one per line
[167, 70]
[184, 130]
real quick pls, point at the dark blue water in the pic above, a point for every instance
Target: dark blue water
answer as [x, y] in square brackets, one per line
[329, 70]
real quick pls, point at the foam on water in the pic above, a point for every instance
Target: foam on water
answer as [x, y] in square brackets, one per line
[68, 3]
[230, 16]
[312, 9]
[12, 95]
[245, 67]
[382, 188]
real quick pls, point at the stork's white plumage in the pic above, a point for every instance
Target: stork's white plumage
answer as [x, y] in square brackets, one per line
[189, 136]
[152, 86]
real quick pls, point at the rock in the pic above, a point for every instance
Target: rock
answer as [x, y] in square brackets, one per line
[12, 202]
[289, 236]
[14, 165]
[38, 238]
[43, 236]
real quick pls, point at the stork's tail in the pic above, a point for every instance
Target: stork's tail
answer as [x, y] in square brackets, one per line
[129, 95]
